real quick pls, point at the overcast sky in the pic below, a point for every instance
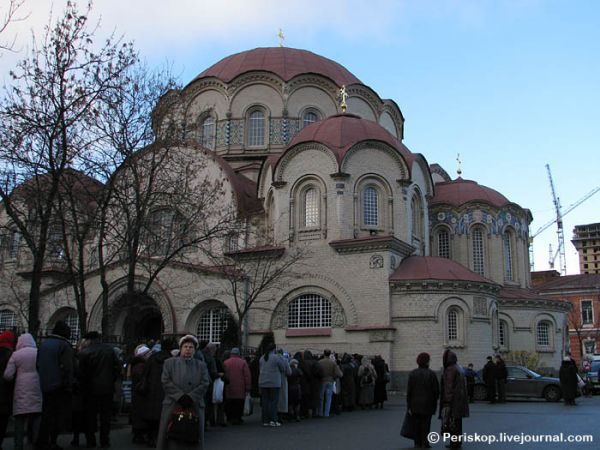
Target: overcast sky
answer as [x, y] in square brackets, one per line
[510, 85]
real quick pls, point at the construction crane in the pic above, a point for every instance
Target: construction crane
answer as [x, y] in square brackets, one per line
[559, 214]
[562, 259]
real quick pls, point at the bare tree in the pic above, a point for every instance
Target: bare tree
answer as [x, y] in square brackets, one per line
[252, 276]
[8, 15]
[45, 127]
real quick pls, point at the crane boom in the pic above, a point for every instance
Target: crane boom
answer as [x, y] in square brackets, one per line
[559, 225]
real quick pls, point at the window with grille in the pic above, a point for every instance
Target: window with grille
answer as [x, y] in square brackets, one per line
[508, 256]
[8, 319]
[212, 325]
[72, 319]
[309, 117]
[478, 255]
[587, 313]
[309, 311]
[417, 217]
[56, 248]
[443, 244]
[208, 132]
[502, 334]
[256, 128]
[311, 207]
[452, 325]
[370, 206]
[13, 244]
[543, 334]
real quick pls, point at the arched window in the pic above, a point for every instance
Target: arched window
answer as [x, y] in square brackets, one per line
[55, 249]
[311, 208]
[443, 243]
[418, 234]
[508, 255]
[13, 243]
[309, 311]
[503, 335]
[208, 132]
[543, 334]
[452, 325]
[256, 128]
[309, 117]
[478, 251]
[8, 319]
[212, 324]
[370, 206]
[164, 233]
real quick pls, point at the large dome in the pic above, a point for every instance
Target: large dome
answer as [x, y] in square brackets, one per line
[458, 192]
[341, 132]
[284, 62]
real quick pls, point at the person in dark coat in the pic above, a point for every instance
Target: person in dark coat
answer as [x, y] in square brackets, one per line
[501, 375]
[568, 381]
[312, 372]
[422, 394]
[55, 366]
[489, 378]
[294, 390]
[185, 381]
[139, 392]
[349, 369]
[382, 371]
[454, 404]
[99, 368]
[155, 396]
[7, 346]
[208, 351]
[470, 375]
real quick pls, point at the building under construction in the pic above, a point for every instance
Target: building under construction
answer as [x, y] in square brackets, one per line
[586, 239]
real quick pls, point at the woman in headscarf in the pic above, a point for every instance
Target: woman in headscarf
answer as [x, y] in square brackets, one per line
[27, 402]
[185, 381]
[139, 392]
[422, 394]
[454, 402]
[366, 377]
[272, 369]
[568, 380]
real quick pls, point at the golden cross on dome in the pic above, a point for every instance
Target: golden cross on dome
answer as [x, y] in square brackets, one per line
[281, 37]
[458, 170]
[343, 96]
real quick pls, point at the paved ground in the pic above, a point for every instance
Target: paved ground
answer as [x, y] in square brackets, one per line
[380, 429]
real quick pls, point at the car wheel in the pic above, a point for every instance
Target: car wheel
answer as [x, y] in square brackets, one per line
[479, 392]
[552, 394]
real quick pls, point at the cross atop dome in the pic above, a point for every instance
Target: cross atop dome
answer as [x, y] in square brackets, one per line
[281, 37]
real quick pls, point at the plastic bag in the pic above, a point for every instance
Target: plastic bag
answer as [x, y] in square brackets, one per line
[217, 396]
[248, 405]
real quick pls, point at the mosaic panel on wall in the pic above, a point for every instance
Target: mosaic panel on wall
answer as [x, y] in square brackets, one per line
[461, 222]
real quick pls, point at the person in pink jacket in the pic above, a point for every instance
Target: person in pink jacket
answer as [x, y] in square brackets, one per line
[27, 400]
[237, 374]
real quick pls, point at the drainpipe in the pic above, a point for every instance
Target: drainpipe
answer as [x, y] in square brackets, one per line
[245, 334]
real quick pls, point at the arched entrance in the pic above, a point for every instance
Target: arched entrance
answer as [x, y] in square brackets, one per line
[137, 318]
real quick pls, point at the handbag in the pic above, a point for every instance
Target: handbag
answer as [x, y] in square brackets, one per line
[217, 395]
[408, 426]
[248, 405]
[184, 425]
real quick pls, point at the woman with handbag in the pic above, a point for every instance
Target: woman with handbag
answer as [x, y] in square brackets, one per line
[185, 381]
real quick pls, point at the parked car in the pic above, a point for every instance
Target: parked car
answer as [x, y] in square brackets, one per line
[592, 376]
[523, 383]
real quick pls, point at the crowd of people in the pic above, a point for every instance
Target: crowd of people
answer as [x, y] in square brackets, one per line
[59, 388]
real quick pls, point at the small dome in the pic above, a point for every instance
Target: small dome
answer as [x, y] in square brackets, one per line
[341, 132]
[416, 268]
[284, 62]
[459, 191]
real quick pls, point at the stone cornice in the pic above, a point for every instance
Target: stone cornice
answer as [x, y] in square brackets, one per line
[445, 286]
[370, 244]
[555, 305]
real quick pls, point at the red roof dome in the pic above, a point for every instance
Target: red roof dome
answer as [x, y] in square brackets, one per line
[434, 268]
[459, 191]
[284, 62]
[341, 132]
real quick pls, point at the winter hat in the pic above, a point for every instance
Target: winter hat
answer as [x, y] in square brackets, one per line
[7, 339]
[188, 338]
[141, 351]
[423, 359]
[156, 348]
[62, 329]
[235, 351]
[294, 362]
